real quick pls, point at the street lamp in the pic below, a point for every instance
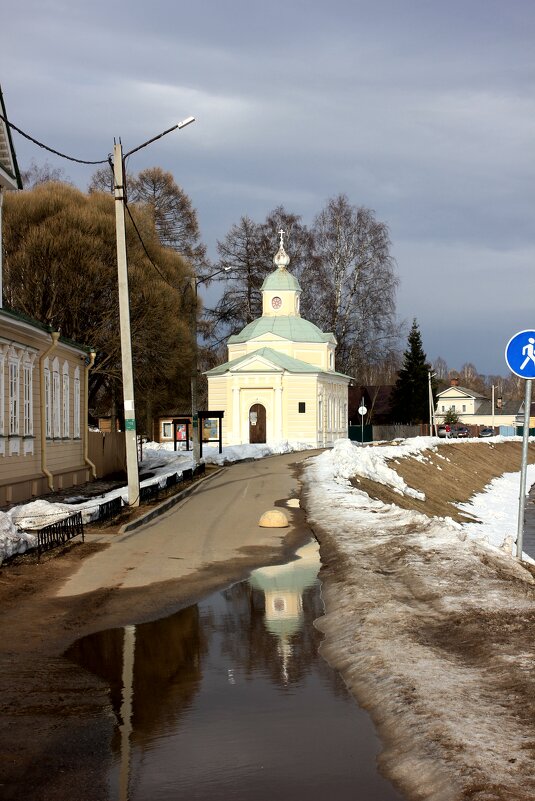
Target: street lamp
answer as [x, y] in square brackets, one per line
[196, 434]
[124, 311]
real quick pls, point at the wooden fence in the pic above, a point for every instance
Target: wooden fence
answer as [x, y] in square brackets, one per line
[107, 451]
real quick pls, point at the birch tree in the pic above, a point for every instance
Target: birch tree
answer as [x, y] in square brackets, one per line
[352, 293]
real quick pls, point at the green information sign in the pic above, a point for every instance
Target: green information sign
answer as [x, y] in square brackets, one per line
[195, 422]
[129, 424]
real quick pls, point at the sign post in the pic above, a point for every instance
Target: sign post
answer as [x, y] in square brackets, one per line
[520, 358]
[362, 412]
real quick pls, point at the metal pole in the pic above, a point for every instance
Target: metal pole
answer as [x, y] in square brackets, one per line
[124, 322]
[430, 398]
[523, 471]
[196, 434]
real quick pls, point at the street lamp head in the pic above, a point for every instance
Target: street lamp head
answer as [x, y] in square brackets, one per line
[185, 122]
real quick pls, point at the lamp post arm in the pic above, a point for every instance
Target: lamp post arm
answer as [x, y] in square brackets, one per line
[178, 126]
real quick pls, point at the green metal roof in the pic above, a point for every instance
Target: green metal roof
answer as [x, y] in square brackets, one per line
[13, 314]
[287, 363]
[296, 329]
[280, 280]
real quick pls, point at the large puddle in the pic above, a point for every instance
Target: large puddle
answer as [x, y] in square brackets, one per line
[229, 699]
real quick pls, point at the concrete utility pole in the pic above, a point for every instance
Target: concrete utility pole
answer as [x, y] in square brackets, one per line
[195, 433]
[126, 341]
[124, 311]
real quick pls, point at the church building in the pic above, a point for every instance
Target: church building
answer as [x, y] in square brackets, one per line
[280, 382]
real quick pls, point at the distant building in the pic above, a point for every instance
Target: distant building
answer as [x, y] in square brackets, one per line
[473, 408]
[280, 381]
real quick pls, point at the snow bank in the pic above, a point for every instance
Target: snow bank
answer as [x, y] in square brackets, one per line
[13, 541]
[420, 621]
[495, 509]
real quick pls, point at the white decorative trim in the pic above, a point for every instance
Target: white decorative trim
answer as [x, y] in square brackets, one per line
[2, 446]
[14, 446]
[28, 447]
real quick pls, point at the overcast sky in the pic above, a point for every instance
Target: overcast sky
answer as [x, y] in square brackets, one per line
[421, 110]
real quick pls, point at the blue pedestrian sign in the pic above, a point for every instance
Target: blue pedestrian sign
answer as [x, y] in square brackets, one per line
[520, 354]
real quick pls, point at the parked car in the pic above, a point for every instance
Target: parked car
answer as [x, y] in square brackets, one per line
[444, 431]
[460, 432]
[486, 432]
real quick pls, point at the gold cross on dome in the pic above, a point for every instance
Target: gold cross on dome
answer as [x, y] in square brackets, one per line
[281, 234]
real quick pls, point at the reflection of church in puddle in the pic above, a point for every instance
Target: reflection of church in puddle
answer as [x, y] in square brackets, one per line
[283, 587]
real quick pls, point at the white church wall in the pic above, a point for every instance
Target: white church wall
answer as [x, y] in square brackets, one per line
[299, 389]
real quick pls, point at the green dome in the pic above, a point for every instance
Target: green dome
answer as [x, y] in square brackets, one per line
[296, 329]
[279, 281]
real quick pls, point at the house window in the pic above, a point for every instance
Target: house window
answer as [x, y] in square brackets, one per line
[14, 389]
[28, 397]
[65, 396]
[48, 400]
[56, 401]
[464, 407]
[302, 407]
[443, 408]
[167, 430]
[76, 404]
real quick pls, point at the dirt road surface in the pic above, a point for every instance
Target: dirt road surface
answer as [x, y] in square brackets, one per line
[56, 722]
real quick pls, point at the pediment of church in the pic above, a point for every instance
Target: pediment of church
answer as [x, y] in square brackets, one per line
[254, 364]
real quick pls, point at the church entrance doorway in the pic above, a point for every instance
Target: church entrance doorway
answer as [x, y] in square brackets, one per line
[257, 423]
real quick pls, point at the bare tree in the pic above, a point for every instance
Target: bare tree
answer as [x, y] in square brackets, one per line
[470, 378]
[242, 255]
[38, 174]
[102, 180]
[354, 284]
[174, 216]
[441, 369]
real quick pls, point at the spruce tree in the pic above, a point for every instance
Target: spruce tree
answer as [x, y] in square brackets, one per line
[410, 397]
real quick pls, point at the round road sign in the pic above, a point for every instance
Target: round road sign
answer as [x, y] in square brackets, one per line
[520, 354]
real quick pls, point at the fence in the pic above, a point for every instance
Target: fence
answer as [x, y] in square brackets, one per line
[107, 451]
[59, 533]
[152, 491]
[110, 509]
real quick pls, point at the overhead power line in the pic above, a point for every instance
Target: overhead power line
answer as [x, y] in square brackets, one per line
[50, 149]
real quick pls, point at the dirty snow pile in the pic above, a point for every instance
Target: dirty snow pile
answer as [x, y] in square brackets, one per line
[496, 508]
[13, 541]
[159, 461]
[429, 626]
